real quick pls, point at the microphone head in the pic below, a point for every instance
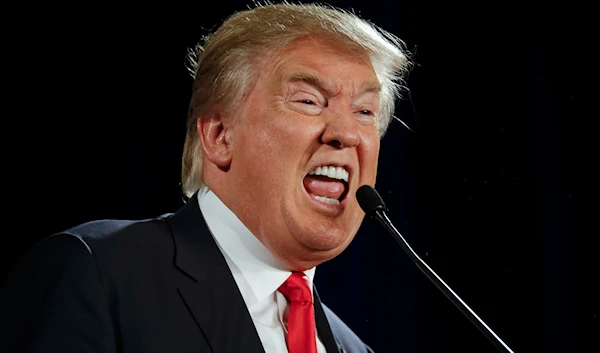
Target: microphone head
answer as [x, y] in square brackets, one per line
[369, 200]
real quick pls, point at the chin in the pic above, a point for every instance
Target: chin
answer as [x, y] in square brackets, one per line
[320, 232]
[316, 248]
[329, 240]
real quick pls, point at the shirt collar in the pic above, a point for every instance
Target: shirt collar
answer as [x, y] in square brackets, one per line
[262, 272]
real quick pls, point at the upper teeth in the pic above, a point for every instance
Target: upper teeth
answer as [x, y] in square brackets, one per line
[331, 172]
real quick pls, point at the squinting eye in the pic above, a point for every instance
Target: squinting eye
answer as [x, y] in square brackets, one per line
[366, 117]
[307, 101]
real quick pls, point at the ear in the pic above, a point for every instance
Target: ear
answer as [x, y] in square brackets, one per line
[213, 132]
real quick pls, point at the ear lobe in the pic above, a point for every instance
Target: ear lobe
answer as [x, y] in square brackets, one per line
[215, 144]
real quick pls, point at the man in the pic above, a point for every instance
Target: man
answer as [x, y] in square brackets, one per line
[289, 103]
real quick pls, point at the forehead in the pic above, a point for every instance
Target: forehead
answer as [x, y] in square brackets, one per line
[322, 61]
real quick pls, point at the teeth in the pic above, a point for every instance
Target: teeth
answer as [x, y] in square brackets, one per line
[327, 200]
[331, 172]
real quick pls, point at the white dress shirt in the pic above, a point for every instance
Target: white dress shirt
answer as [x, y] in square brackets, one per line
[256, 271]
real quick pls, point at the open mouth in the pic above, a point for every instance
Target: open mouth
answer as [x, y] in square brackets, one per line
[328, 184]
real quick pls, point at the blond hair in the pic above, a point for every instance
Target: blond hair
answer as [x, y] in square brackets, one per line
[222, 63]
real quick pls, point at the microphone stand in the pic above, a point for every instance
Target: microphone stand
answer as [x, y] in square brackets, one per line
[382, 217]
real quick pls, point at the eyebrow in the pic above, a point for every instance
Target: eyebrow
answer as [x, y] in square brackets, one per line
[316, 80]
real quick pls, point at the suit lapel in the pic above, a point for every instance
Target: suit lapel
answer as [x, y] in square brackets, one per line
[211, 293]
[323, 328]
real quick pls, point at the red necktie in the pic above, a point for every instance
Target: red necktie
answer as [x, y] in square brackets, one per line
[301, 319]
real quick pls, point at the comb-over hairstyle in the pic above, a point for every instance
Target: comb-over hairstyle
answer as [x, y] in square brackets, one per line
[224, 63]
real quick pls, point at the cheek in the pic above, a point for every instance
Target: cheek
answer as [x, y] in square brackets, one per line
[370, 152]
[273, 150]
[289, 137]
[259, 132]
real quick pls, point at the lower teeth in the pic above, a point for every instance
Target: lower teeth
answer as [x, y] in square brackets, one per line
[327, 200]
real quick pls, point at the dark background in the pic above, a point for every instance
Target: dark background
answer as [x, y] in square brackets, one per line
[488, 190]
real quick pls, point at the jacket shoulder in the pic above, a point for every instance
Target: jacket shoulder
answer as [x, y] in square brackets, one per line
[107, 228]
[346, 338]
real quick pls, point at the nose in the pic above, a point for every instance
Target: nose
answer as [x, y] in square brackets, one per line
[341, 131]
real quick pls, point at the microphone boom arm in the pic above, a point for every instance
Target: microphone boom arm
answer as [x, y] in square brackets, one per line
[382, 217]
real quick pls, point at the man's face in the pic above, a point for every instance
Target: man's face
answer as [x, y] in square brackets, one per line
[303, 141]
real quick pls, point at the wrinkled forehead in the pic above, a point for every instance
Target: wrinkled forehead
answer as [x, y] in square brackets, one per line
[312, 59]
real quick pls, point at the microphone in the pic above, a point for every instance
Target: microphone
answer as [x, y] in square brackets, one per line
[373, 205]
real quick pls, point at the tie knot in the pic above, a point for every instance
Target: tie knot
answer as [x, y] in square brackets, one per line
[295, 288]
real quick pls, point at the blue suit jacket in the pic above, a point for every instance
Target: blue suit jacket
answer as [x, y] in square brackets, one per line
[156, 285]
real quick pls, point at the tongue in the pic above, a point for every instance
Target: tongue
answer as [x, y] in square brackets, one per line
[324, 186]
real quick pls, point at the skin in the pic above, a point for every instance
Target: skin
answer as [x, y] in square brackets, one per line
[314, 104]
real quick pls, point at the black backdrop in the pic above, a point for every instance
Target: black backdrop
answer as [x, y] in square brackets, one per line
[487, 190]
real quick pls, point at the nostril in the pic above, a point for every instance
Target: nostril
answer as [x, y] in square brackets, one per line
[335, 143]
